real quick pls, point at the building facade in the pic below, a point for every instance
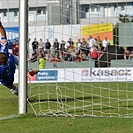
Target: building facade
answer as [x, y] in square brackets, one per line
[56, 12]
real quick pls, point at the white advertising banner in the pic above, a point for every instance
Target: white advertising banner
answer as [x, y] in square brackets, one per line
[81, 75]
[107, 74]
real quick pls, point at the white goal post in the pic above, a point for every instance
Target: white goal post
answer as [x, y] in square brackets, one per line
[23, 40]
[79, 87]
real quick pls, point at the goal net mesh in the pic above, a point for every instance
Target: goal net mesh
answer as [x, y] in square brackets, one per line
[80, 85]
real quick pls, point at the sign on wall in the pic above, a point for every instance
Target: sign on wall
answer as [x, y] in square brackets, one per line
[81, 75]
[103, 30]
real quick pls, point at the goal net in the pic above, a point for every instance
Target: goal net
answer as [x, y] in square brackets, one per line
[89, 66]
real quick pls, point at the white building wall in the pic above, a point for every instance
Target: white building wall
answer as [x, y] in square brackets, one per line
[105, 13]
[103, 1]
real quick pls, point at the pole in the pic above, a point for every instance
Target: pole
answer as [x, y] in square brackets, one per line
[70, 12]
[74, 7]
[23, 39]
[8, 14]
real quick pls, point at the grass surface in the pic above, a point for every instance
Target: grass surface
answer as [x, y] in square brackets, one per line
[83, 99]
[31, 124]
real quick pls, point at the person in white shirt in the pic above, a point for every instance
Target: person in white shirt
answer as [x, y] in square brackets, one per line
[106, 43]
[91, 42]
[78, 44]
[41, 44]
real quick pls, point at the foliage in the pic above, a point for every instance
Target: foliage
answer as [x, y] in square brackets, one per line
[125, 18]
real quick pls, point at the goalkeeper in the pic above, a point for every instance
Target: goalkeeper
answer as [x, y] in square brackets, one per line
[8, 64]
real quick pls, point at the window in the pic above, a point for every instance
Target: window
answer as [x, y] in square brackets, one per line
[15, 14]
[98, 9]
[38, 12]
[95, 9]
[4, 14]
[92, 9]
[41, 11]
[122, 8]
[44, 11]
[87, 9]
[115, 8]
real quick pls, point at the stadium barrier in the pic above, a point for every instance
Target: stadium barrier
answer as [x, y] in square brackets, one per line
[81, 75]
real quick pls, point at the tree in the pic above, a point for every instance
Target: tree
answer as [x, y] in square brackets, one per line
[125, 18]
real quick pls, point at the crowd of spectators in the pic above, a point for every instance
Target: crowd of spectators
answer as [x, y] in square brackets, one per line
[13, 47]
[78, 51]
[69, 50]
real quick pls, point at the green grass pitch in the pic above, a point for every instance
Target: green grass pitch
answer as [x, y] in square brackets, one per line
[29, 123]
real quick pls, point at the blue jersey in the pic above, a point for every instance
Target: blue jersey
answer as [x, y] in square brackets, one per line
[4, 48]
[7, 70]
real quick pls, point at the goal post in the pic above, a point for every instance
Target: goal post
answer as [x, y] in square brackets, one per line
[89, 87]
[23, 39]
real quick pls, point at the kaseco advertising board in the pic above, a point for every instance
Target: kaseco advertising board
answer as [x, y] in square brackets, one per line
[107, 74]
[82, 75]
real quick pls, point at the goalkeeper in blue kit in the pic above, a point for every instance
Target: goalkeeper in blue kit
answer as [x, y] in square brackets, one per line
[8, 64]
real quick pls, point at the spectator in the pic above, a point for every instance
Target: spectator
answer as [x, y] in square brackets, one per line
[99, 49]
[62, 45]
[73, 54]
[41, 44]
[51, 58]
[34, 56]
[48, 46]
[79, 58]
[91, 42]
[55, 59]
[67, 45]
[42, 51]
[83, 55]
[131, 55]
[78, 44]
[15, 48]
[42, 60]
[98, 41]
[62, 48]
[56, 47]
[127, 54]
[10, 46]
[63, 53]
[106, 43]
[67, 56]
[84, 41]
[34, 44]
[85, 47]
[94, 53]
[71, 44]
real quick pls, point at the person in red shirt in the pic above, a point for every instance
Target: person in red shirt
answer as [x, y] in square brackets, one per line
[127, 54]
[94, 53]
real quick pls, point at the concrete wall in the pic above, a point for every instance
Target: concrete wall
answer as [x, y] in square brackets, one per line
[107, 11]
[126, 34]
